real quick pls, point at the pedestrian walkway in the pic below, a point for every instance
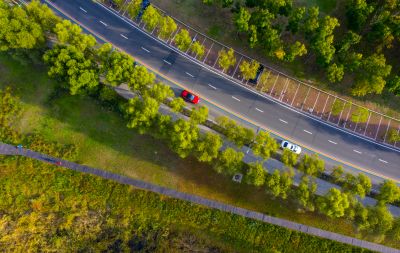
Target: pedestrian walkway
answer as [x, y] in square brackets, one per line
[6, 149]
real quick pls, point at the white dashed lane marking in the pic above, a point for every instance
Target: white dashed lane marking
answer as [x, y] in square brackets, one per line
[283, 121]
[103, 23]
[307, 131]
[332, 142]
[212, 86]
[358, 152]
[236, 98]
[189, 74]
[82, 9]
[259, 110]
[382, 161]
[145, 49]
[167, 62]
[123, 36]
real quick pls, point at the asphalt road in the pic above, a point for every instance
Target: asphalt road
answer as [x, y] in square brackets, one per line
[334, 145]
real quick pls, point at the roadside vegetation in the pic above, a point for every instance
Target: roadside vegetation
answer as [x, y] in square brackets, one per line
[78, 64]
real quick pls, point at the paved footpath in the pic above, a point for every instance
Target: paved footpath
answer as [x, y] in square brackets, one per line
[6, 149]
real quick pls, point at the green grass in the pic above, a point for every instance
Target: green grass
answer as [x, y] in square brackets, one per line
[104, 142]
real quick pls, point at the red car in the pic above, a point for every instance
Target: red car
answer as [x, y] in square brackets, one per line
[190, 97]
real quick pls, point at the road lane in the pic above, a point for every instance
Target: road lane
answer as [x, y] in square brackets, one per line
[226, 89]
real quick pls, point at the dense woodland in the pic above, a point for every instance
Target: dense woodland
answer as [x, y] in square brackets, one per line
[360, 45]
[78, 63]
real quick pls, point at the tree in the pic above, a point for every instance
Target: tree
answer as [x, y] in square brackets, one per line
[71, 34]
[360, 185]
[177, 104]
[133, 8]
[242, 19]
[42, 15]
[183, 137]
[338, 106]
[394, 85]
[350, 39]
[311, 165]
[360, 115]
[393, 136]
[252, 36]
[199, 115]
[334, 203]
[249, 69]
[197, 49]
[395, 231]
[371, 74]
[10, 112]
[305, 193]
[207, 147]
[235, 133]
[296, 49]
[337, 174]
[289, 158]
[311, 20]
[183, 40]
[379, 220]
[117, 66]
[335, 72]
[140, 79]
[141, 112]
[322, 41]
[255, 174]
[357, 13]
[278, 184]
[72, 66]
[264, 145]
[229, 162]
[167, 27]
[388, 193]
[151, 17]
[159, 92]
[161, 126]
[226, 59]
[295, 17]
[18, 29]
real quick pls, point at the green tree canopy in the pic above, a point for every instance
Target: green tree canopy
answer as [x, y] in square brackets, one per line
[289, 158]
[177, 104]
[255, 174]
[151, 17]
[133, 8]
[334, 203]
[71, 34]
[229, 162]
[305, 193]
[159, 92]
[389, 192]
[140, 79]
[167, 27]
[278, 184]
[242, 18]
[249, 69]
[207, 147]
[295, 50]
[199, 115]
[311, 165]
[226, 59]
[141, 112]
[197, 49]
[183, 137]
[335, 72]
[235, 133]
[183, 40]
[72, 66]
[264, 145]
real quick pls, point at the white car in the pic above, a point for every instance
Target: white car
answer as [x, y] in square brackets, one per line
[292, 147]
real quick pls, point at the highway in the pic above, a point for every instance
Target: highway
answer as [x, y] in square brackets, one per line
[334, 145]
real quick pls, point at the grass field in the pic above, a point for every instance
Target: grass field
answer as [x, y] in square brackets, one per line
[104, 142]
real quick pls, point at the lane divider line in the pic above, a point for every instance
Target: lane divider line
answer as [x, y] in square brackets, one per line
[212, 86]
[82, 9]
[216, 104]
[167, 62]
[103, 23]
[236, 98]
[358, 152]
[145, 49]
[332, 142]
[123, 36]
[307, 131]
[383, 161]
[259, 110]
[284, 121]
[187, 73]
